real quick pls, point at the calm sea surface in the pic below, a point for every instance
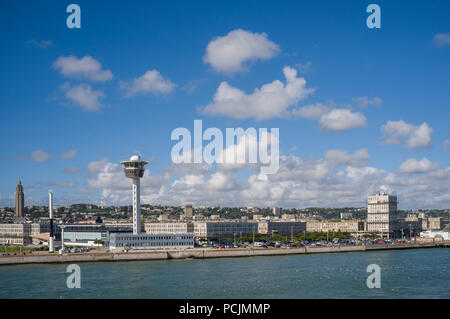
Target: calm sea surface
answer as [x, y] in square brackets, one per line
[414, 273]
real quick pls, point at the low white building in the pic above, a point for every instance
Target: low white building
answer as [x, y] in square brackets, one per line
[220, 229]
[169, 228]
[444, 233]
[434, 234]
[150, 241]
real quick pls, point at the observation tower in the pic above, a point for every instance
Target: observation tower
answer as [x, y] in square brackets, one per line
[134, 169]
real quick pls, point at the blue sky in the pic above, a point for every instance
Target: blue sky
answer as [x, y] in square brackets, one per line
[397, 73]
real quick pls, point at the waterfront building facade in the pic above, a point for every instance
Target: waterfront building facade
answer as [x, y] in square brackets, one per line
[280, 227]
[151, 241]
[22, 233]
[355, 227]
[218, 229]
[15, 234]
[169, 228]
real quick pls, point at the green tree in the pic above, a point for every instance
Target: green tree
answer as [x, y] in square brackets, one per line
[277, 237]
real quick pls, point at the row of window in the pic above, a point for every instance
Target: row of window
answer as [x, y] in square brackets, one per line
[133, 238]
[165, 244]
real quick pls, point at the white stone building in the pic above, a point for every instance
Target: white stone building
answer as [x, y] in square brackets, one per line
[382, 214]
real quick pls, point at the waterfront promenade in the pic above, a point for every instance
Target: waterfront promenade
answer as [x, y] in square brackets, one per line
[202, 253]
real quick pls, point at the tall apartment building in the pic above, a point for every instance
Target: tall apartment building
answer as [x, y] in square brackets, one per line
[382, 214]
[188, 211]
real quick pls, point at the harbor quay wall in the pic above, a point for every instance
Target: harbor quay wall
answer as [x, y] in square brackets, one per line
[202, 253]
[415, 245]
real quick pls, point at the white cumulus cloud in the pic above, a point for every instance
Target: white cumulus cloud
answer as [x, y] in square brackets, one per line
[82, 68]
[413, 166]
[84, 96]
[228, 54]
[152, 81]
[413, 136]
[96, 166]
[331, 119]
[339, 120]
[271, 100]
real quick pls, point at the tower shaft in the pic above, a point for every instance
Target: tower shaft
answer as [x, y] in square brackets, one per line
[51, 246]
[19, 200]
[136, 206]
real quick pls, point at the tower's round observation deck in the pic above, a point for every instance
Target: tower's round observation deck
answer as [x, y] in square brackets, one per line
[134, 167]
